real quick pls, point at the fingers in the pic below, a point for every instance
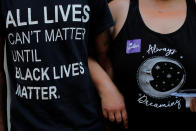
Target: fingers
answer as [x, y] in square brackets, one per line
[118, 117]
[111, 116]
[105, 114]
[125, 118]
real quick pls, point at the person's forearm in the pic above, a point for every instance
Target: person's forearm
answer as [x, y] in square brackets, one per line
[102, 47]
[103, 82]
[113, 105]
[106, 64]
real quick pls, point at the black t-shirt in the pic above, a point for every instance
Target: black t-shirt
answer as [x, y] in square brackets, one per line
[149, 67]
[47, 62]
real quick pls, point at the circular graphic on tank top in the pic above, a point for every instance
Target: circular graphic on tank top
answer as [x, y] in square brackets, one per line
[160, 76]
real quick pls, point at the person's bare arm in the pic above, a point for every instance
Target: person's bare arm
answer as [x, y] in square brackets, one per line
[119, 10]
[2, 84]
[102, 46]
[113, 106]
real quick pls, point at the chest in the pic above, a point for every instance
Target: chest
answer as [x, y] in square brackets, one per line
[163, 21]
[140, 46]
[26, 13]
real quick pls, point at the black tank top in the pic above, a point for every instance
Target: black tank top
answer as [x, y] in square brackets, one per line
[150, 68]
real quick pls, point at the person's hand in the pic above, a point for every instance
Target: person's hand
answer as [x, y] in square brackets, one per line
[113, 107]
[193, 105]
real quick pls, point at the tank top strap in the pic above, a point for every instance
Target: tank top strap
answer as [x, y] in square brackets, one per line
[134, 2]
[191, 8]
[132, 16]
[133, 5]
[191, 3]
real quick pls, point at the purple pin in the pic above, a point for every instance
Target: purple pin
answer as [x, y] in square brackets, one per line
[133, 46]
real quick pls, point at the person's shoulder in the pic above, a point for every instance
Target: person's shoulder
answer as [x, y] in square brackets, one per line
[119, 10]
[119, 3]
[118, 6]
